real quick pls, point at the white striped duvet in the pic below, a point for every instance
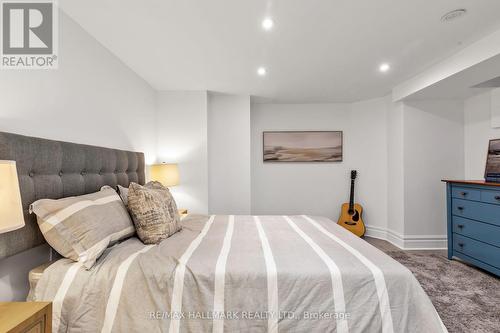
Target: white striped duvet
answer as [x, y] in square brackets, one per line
[240, 274]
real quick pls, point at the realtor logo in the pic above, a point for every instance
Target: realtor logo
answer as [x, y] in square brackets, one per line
[29, 34]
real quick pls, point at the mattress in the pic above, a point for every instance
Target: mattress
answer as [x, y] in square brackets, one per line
[240, 274]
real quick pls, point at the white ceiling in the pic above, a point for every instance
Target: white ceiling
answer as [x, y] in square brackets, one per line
[318, 51]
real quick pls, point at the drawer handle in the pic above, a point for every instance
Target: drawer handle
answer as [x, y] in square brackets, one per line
[497, 197]
[464, 194]
[460, 226]
[460, 208]
[461, 244]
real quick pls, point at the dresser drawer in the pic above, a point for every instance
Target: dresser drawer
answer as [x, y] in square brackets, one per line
[478, 250]
[476, 210]
[477, 230]
[490, 197]
[465, 193]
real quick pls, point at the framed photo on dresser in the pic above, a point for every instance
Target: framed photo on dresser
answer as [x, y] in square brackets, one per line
[492, 172]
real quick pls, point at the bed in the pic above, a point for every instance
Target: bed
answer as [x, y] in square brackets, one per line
[230, 274]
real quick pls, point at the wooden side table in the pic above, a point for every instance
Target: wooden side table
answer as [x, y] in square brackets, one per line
[26, 317]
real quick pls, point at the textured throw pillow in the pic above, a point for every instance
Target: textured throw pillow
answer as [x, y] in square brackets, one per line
[81, 228]
[153, 211]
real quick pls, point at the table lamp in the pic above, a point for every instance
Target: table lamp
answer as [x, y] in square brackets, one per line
[11, 208]
[167, 174]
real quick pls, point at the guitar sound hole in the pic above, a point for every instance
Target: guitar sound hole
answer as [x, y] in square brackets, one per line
[355, 217]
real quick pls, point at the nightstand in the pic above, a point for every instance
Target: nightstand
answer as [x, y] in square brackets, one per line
[26, 317]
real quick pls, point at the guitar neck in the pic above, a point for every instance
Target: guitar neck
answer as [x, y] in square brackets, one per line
[351, 199]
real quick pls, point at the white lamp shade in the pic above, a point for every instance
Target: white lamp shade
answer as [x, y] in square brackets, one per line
[167, 174]
[11, 209]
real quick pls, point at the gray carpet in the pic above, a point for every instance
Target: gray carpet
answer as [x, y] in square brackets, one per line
[466, 298]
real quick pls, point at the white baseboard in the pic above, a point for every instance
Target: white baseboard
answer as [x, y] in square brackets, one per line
[408, 242]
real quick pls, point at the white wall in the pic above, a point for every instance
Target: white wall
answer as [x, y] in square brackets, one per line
[92, 98]
[395, 173]
[478, 132]
[228, 154]
[369, 120]
[92, 92]
[320, 188]
[182, 138]
[401, 151]
[14, 272]
[425, 145]
[433, 150]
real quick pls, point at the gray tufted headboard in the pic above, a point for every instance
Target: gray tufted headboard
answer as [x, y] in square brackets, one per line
[54, 169]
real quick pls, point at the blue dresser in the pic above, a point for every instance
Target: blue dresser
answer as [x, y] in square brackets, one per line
[474, 223]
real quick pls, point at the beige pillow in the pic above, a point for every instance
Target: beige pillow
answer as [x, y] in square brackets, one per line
[81, 228]
[153, 211]
[123, 193]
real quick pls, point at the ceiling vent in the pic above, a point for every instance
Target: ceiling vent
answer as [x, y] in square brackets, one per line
[453, 15]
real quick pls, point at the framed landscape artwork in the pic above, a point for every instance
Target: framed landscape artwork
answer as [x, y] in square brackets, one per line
[492, 172]
[302, 146]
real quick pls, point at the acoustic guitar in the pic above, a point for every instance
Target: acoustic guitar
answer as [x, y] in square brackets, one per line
[351, 213]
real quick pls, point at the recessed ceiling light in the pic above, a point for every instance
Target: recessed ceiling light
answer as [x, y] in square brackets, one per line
[261, 71]
[454, 14]
[384, 67]
[267, 24]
